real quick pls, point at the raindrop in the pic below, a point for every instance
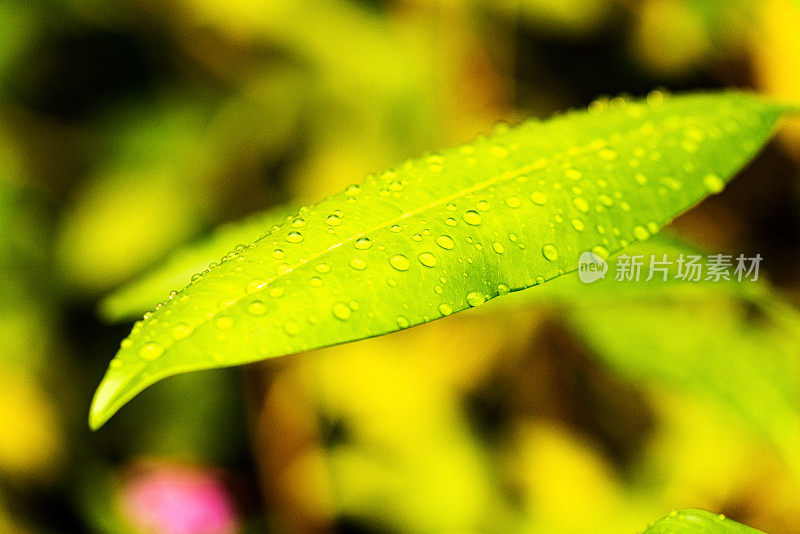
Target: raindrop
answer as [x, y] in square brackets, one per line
[316, 281]
[341, 311]
[608, 154]
[538, 198]
[484, 205]
[450, 221]
[333, 220]
[181, 331]
[363, 243]
[150, 351]
[358, 264]
[503, 289]
[577, 224]
[713, 183]
[402, 321]
[581, 204]
[513, 202]
[276, 292]
[323, 268]
[445, 241]
[472, 218]
[640, 233]
[399, 262]
[427, 259]
[294, 237]
[498, 247]
[256, 308]
[474, 298]
[298, 223]
[291, 328]
[550, 252]
[278, 254]
[445, 309]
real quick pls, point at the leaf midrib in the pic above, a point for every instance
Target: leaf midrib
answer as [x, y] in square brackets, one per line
[587, 148]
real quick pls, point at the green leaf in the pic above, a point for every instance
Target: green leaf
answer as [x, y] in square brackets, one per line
[698, 522]
[177, 269]
[447, 232]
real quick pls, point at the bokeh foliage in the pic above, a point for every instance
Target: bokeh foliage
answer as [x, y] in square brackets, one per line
[130, 128]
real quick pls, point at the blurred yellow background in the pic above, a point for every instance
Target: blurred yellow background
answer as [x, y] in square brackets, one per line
[131, 128]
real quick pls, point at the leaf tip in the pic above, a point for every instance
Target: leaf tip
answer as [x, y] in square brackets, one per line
[99, 412]
[109, 397]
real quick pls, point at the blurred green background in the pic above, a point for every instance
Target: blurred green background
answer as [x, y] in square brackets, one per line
[128, 129]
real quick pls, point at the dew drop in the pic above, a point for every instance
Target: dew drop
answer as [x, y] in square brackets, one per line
[333, 220]
[341, 311]
[352, 190]
[316, 281]
[402, 321]
[498, 247]
[581, 204]
[484, 205]
[538, 198]
[472, 218]
[181, 331]
[577, 224]
[395, 228]
[298, 223]
[475, 298]
[276, 292]
[713, 183]
[450, 221]
[445, 309]
[573, 174]
[294, 237]
[600, 250]
[445, 241]
[608, 154]
[358, 264]
[503, 289]
[550, 252]
[513, 202]
[256, 308]
[150, 351]
[323, 268]
[399, 262]
[278, 254]
[363, 243]
[291, 328]
[427, 259]
[640, 233]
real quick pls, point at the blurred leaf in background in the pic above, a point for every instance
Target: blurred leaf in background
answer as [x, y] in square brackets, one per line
[155, 122]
